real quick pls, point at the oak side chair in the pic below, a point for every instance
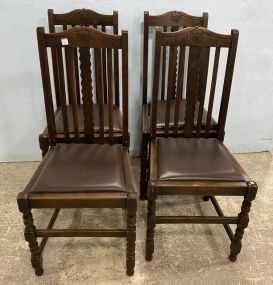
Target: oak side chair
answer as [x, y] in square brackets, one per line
[195, 164]
[170, 21]
[104, 23]
[89, 170]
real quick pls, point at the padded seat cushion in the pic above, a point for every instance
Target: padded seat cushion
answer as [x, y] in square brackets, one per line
[161, 109]
[117, 121]
[80, 168]
[195, 159]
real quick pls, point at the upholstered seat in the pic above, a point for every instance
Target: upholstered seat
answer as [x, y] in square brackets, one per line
[117, 125]
[195, 159]
[80, 168]
[160, 126]
[161, 110]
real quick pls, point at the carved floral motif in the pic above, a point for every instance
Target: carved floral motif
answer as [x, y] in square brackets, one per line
[176, 17]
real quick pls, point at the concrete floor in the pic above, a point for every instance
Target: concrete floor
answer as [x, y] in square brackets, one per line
[184, 254]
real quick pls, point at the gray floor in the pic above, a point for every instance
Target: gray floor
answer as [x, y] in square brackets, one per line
[184, 254]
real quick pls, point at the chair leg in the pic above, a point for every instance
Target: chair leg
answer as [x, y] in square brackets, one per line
[150, 223]
[44, 144]
[144, 166]
[236, 243]
[205, 198]
[30, 237]
[131, 238]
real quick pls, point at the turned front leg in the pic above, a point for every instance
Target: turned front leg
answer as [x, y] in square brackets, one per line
[236, 243]
[131, 238]
[150, 223]
[30, 237]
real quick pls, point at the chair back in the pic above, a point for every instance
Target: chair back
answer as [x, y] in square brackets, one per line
[194, 39]
[86, 18]
[85, 42]
[170, 22]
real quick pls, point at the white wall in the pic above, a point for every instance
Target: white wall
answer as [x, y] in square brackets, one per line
[249, 124]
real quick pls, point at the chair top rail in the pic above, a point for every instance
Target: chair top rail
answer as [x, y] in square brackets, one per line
[175, 18]
[82, 37]
[83, 17]
[196, 36]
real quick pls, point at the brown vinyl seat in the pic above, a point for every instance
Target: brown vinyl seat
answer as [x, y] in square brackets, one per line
[117, 119]
[195, 159]
[80, 168]
[161, 109]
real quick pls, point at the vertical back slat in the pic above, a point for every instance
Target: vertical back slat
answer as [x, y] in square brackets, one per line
[95, 64]
[63, 94]
[54, 59]
[86, 83]
[73, 92]
[212, 90]
[125, 137]
[77, 74]
[116, 60]
[46, 87]
[202, 72]
[191, 95]
[99, 89]
[174, 29]
[180, 82]
[186, 63]
[171, 79]
[163, 74]
[227, 85]
[145, 58]
[202, 84]
[67, 69]
[110, 93]
[104, 71]
[116, 76]
[158, 41]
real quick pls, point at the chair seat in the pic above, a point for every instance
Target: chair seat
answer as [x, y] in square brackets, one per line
[117, 121]
[80, 168]
[161, 109]
[196, 159]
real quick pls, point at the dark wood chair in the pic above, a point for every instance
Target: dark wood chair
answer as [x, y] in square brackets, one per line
[89, 170]
[104, 23]
[193, 163]
[170, 21]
